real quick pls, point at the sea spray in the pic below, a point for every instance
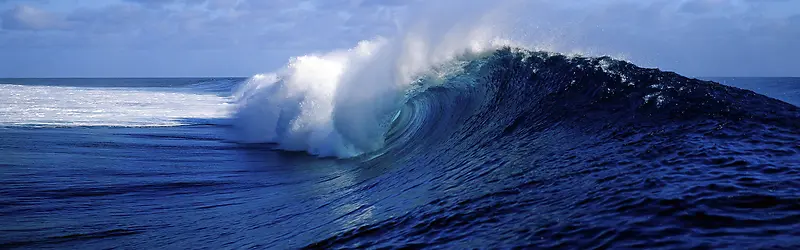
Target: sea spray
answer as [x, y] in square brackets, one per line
[342, 103]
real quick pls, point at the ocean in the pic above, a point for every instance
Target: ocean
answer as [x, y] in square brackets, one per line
[506, 149]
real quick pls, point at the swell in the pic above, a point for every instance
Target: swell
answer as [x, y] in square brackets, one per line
[517, 92]
[496, 90]
[559, 151]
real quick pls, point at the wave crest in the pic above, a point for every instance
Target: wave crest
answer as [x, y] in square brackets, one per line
[342, 103]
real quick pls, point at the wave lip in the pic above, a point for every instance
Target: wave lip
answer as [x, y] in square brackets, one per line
[343, 103]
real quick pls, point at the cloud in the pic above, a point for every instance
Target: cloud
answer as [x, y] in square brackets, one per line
[696, 37]
[221, 4]
[165, 3]
[151, 2]
[24, 17]
[702, 6]
[384, 2]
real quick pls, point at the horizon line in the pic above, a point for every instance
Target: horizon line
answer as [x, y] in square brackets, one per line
[185, 77]
[123, 77]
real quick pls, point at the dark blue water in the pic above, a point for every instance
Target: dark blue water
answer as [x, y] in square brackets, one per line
[549, 152]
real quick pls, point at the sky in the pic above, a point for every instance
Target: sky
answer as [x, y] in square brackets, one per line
[184, 38]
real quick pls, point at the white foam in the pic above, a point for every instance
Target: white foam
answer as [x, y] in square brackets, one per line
[341, 103]
[22, 105]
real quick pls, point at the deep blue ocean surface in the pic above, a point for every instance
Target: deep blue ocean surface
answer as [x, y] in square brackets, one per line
[543, 152]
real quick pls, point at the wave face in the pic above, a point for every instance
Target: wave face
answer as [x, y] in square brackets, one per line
[555, 151]
[603, 151]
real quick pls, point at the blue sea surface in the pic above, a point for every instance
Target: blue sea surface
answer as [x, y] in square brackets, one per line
[579, 169]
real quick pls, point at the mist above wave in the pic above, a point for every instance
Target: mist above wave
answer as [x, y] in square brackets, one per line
[341, 103]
